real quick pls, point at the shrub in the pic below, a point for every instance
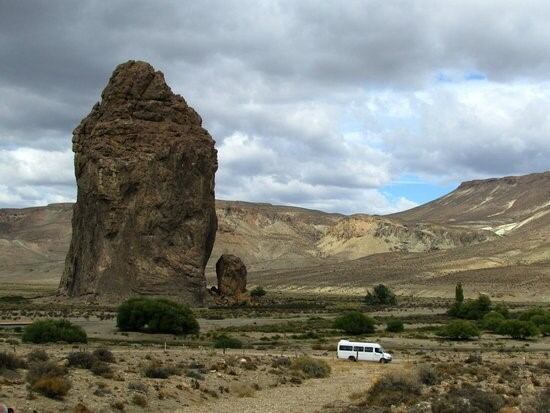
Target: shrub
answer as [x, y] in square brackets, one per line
[225, 341]
[395, 326]
[355, 323]
[492, 321]
[281, 361]
[48, 379]
[467, 399]
[258, 292]
[194, 374]
[156, 371]
[37, 355]
[51, 331]
[104, 354]
[137, 386]
[81, 359]
[381, 295]
[428, 375]
[471, 309]
[312, 368]
[518, 329]
[459, 293]
[10, 361]
[102, 369]
[459, 330]
[139, 400]
[156, 316]
[393, 389]
[242, 389]
[52, 387]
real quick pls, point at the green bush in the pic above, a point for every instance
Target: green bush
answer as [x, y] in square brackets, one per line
[312, 368]
[395, 326]
[225, 341]
[459, 330]
[471, 309]
[10, 361]
[257, 292]
[492, 321]
[518, 329]
[156, 315]
[381, 295]
[355, 323]
[52, 331]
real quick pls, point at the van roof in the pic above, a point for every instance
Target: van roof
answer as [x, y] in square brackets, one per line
[344, 340]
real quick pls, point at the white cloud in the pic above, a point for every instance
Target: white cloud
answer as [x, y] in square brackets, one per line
[318, 104]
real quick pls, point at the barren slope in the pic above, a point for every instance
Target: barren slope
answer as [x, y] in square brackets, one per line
[501, 204]
[34, 241]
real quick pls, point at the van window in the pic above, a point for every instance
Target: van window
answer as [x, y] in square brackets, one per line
[346, 348]
[368, 349]
[378, 350]
[357, 348]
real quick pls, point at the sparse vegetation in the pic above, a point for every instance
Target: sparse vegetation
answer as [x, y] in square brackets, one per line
[51, 331]
[381, 295]
[156, 316]
[355, 322]
[312, 368]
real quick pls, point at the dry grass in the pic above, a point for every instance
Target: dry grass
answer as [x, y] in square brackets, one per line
[243, 389]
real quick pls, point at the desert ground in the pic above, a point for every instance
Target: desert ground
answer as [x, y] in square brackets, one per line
[282, 326]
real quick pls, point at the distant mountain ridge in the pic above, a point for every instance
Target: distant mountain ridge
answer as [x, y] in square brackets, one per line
[483, 224]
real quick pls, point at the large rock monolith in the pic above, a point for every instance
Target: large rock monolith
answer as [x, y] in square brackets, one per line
[231, 274]
[144, 222]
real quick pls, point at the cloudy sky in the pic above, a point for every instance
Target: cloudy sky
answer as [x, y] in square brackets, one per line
[355, 106]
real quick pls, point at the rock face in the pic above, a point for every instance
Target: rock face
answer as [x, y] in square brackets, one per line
[231, 273]
[145, 220]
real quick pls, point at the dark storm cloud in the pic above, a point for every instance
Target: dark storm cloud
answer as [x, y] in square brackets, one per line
[278, 78]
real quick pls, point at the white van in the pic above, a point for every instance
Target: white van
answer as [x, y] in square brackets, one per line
[354, 351]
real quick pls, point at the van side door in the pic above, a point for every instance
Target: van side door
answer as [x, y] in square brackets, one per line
[359, 352]
[369, 353]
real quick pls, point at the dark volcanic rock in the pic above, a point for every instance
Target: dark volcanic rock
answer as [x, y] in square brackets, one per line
[144, 221]
[231, 273]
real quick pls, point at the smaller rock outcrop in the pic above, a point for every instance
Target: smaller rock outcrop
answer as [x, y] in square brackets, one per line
[231, 273]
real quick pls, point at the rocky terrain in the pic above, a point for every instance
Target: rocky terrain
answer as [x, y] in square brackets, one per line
[144, 221]
[296, 248]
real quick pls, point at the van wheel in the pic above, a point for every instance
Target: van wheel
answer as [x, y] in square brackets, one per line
[352, 358]
[382, 360]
